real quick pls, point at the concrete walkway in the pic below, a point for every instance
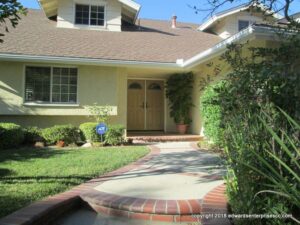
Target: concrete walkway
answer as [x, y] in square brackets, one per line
[178, 172]
[175, 182]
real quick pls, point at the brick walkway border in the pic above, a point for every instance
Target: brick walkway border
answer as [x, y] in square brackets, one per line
[48, 210]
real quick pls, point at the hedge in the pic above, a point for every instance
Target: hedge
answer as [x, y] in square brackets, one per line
[88, 132]
[32, 135]
[11, 135]
[115, 135]
[211, 113]
[67, 133]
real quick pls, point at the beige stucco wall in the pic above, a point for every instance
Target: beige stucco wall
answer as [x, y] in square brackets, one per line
[228, 26]
[66, 14]
[101, 85]
[207, 72]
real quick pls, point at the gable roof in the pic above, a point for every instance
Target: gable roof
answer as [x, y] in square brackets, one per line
[295, 16]
[153, 41]
[50, 7]
[210, 22]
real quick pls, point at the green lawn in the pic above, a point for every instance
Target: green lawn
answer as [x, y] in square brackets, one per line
[28, 175]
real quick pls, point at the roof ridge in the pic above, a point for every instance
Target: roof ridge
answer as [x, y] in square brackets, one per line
[168, 21]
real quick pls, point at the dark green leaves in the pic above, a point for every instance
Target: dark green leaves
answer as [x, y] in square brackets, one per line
[10, 11]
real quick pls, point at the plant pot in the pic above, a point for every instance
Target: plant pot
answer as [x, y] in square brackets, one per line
[60, 144]
[182, 128]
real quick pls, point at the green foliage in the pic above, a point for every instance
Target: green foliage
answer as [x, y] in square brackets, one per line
[11, 135]
[211, 113]
[88, 131]
[100, 113]
[262, 80]
[263, 169]
[179, 93]
[67, 133]
[32, 135]
[282, 170]
[10, 10]
[115, 135]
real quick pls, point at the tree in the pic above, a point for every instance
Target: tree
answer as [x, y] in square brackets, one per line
[10, 11]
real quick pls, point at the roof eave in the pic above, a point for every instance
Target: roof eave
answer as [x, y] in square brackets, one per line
[87, 61]
[243, 7]
[250, 33]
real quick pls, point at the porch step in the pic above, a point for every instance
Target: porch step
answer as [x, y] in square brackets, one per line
[154, 138]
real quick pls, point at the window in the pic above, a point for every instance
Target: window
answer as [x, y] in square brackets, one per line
[37, 88]
[243, 24]
[155, 87]
[64, 85]
[135, 86]
[82, 14]
[97, 16]
[89, 15]
[51, 85]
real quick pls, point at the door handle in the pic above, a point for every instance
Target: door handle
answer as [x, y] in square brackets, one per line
[146, 105]
[143, 105]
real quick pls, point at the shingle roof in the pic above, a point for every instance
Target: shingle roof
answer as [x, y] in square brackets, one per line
[155, 41]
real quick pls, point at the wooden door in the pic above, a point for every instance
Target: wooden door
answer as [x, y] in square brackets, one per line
[155, 105]
[136, 105]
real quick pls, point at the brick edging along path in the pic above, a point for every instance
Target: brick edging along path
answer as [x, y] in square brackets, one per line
[46, 211]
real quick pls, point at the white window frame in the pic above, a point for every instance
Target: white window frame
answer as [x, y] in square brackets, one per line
[90, 4]
[71, 104]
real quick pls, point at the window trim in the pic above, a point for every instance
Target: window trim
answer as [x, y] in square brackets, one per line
[90, 5]
[243, 20]
[46, 104]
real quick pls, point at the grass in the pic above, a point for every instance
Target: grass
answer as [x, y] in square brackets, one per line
[28, 175]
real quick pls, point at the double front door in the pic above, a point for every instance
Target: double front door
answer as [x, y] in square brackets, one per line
[145, 105]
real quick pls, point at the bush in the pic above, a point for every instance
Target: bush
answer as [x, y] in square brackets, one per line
[211, 113]
[67, 133]
[115, 135]
[260, 82]
[11, 135]
[179, 90]
[88, 132]
[32, 135]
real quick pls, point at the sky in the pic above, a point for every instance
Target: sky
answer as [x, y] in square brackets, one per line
[164, 9]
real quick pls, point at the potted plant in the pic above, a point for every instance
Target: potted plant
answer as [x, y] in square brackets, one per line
[179, 93]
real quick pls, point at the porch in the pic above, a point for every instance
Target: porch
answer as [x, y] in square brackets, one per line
[148, 137]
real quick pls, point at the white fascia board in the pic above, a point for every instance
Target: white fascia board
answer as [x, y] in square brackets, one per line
[131, 4]
[215, 18]
[217, 49]
[87, 61]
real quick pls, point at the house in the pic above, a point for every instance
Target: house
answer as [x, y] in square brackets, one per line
[74, 53]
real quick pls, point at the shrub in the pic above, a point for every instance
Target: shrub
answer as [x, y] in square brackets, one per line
[261, 81]
[210, 110]
[11, 135]
[88, 132]
[115, 135]
[32, 135]
[179, 91]
[67, 133]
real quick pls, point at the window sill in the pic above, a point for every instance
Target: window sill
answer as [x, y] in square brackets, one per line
[50, 105]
